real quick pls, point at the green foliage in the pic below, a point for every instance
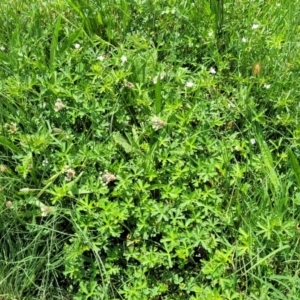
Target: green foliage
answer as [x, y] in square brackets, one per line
[149, 150]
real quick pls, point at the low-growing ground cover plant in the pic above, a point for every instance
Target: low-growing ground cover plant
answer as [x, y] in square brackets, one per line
[149, 149]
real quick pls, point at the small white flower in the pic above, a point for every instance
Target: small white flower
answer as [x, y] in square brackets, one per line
[189, 84]
[252, 141]
[156, 77]
[101, 58]
[46, 210]
[76, 46]
[212, 70]
[231, 105]
[244, 40]
[267, 86]
[123, 58]
[157, 123]
[128, 84]
[278, 4]
[70, 173]
[237, 148]
[255, 26]
[2, 48]
[12, 127]
[210, 33]
[107, 177]
[45, 162]
[58, 105]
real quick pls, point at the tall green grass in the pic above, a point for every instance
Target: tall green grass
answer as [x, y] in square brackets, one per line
[149, 149]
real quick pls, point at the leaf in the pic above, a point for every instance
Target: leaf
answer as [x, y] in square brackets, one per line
[269, 164]
[119, 139]
[7, 144]
[158, 95]
[70, 40]
[54, 42]
[260, 261]
[295, 165]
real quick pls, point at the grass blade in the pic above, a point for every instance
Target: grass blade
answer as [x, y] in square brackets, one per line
[54, 43]
[158, 95]
[270, 169]
[295, 165]
[7, 144]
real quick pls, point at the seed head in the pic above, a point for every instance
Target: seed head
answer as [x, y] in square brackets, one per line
[256, 69]
[8, 204]
[70, 174]
[58, 105]
[3, 168]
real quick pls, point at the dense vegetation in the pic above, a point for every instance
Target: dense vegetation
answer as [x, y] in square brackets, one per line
[149, 149]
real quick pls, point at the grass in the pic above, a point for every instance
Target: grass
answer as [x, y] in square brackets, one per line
[149, 149]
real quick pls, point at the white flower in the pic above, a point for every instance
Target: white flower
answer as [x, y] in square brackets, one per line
[45, 162]
[107, 177]
[255, 26]
[12, 127]
[189, 84]
[58, 105]
[46, 210]
[237, 148]
[244, 40]
[156, 76]
[76, 46]
[157, 123]
[2, 48]
[267, 86]
[210, 33]
[252, 141]
[101, 58]
[278, 4]
[212, 70]
[128, 84]
[231, 105]
[123, 58]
